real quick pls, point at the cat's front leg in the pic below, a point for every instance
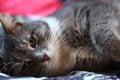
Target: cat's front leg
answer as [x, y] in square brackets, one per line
[2, 62]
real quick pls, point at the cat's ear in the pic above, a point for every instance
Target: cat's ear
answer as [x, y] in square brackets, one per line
[9, 24]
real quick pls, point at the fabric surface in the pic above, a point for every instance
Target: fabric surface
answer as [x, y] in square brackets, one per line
[78, 75]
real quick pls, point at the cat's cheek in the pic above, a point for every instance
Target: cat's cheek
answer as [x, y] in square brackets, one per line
[52, 51]
[59, 62]
[54, 56]
[54, 63]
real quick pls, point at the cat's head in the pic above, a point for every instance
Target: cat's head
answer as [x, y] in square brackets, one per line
[34, 48]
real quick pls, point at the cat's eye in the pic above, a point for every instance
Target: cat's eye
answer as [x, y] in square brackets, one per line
[32, 42]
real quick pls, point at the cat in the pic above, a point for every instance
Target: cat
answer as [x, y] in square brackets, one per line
[79, 36]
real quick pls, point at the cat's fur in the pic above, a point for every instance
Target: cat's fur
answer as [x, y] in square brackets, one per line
[79, 36]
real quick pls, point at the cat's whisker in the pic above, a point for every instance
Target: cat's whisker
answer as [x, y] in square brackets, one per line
[5, 66]
[60, 40]
[54, 37]
[12, 37]
[21, 38]
[8, 37]
[61, 28]
[15, 65]
[11, 49]
[50, 37]
[60, 44]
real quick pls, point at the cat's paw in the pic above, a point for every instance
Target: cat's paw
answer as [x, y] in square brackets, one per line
[2, 61]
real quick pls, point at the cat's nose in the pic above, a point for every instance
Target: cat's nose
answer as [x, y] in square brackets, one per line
[45, 57]
[42, 57]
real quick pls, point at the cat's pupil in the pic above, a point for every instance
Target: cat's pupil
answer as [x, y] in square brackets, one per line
[32, 42]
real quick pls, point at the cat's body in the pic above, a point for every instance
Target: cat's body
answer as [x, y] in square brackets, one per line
[84, 36]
